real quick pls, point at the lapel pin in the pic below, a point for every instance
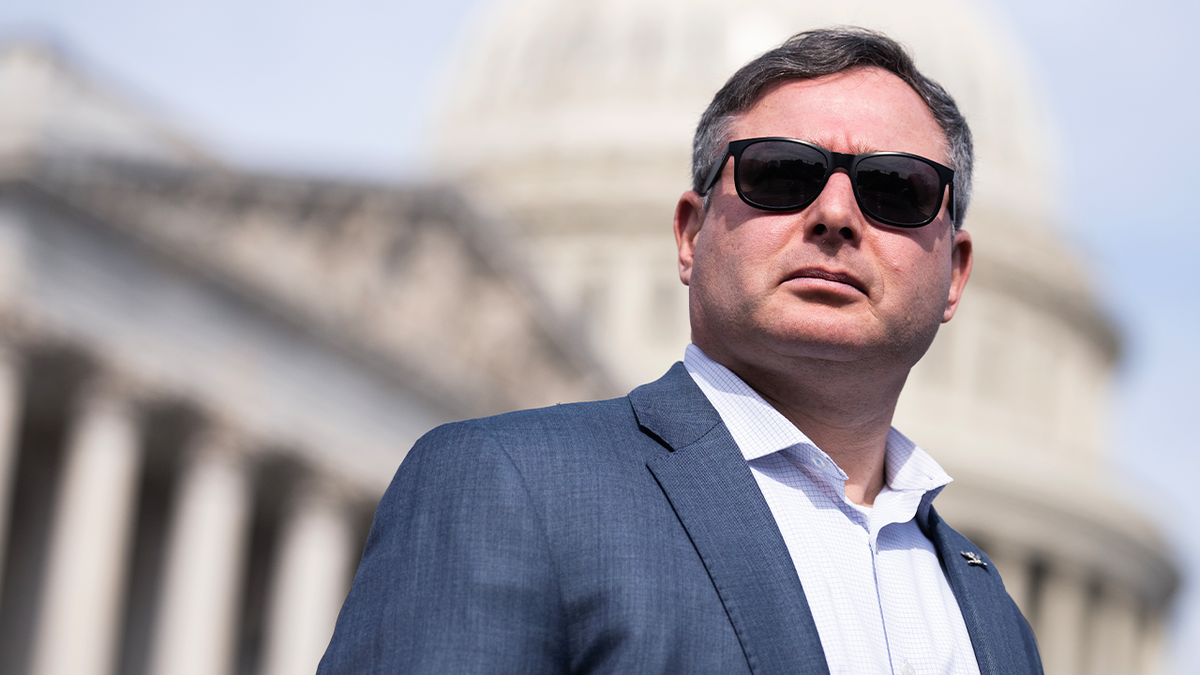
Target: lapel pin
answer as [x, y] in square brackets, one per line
[973, 558]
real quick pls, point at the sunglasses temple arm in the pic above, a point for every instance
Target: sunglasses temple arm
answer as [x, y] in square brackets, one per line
[714, 172]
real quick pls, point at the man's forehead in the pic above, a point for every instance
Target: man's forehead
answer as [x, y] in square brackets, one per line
[854, 111]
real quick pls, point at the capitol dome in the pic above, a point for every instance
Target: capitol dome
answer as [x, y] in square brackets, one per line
[573, 121]
[590, 87]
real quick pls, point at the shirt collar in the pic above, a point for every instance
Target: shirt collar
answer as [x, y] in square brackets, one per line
[759, 430]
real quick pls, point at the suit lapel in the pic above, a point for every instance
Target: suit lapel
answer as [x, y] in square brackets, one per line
[718, 502]
[1003, 642]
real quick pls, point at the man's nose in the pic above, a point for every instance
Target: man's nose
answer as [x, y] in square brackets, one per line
[834, 216]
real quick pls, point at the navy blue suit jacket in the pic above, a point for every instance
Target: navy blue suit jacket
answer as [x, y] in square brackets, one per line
[620, 536]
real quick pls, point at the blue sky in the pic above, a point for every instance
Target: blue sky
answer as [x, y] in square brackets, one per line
[345, 88]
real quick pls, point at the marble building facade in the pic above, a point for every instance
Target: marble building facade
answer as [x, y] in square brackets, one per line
[207, 378]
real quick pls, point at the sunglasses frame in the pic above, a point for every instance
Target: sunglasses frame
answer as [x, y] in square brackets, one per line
[834, 161]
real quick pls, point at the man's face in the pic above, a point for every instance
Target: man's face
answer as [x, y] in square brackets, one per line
[825, 282]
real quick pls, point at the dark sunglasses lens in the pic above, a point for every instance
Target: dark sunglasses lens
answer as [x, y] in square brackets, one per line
[781, 175]
[898, 190]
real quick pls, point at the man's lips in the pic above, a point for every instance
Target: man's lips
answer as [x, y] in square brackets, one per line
[837, 277]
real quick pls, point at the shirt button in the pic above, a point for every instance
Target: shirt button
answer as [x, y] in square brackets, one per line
[818, 462]
[909, 670]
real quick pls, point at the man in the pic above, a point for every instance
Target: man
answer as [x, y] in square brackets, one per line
[751, 511]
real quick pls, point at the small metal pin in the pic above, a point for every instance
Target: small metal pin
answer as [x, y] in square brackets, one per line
[973, 558]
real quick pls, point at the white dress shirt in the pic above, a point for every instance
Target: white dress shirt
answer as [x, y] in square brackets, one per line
[877, 593]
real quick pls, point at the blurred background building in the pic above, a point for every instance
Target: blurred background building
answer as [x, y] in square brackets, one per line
[209, 374]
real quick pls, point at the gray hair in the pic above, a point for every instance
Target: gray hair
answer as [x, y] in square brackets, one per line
[818, 53]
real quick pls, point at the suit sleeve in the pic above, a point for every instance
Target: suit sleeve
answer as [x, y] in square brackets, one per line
[457, 575]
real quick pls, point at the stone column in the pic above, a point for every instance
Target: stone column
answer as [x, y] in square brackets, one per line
[1151, 646]
[89, 544]
[10, 420]
[309, 585]
[197, 616]
[1062, 620]
[1114, 647]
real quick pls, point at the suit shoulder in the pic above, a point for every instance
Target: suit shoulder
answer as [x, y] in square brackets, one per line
[554, 419]
[557, 430]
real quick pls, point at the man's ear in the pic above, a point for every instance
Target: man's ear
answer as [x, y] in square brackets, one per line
[961, 260]
[689, 217]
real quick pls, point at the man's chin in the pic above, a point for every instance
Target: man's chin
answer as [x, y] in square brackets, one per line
[836, 333]
[775, 349]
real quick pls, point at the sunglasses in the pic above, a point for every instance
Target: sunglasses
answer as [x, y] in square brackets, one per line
[785, 174]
